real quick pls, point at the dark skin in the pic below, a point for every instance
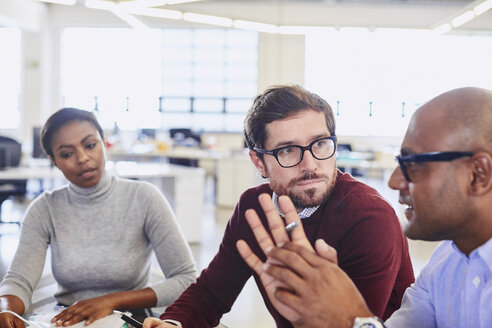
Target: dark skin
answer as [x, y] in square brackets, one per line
[82, 141]
[447, 200]
[450, 200]
[96, 308]
[14, 304]
[313, 285]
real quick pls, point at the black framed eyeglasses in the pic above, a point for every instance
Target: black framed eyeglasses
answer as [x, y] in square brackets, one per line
[407, 161]
[289, 156]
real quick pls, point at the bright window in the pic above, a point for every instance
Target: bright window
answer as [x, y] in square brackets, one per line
[204, 79]
[10, 77]
[376, 80]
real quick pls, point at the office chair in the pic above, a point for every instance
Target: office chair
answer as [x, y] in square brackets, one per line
[10, 154]
[184, 137]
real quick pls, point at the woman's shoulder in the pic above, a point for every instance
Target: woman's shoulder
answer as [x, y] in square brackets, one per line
[136, 186]
[51, 196]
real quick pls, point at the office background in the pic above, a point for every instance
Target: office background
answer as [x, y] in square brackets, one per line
[174, 90]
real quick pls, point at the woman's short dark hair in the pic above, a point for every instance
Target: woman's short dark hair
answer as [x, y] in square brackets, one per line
[59, 119]
[277, 103]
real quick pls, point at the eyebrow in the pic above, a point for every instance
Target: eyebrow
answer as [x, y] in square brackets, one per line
[407, 151]
[290, 143]
[70, 146]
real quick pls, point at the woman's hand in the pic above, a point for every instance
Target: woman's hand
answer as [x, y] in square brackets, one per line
[89, 310]
[8, 320]
[14, 304]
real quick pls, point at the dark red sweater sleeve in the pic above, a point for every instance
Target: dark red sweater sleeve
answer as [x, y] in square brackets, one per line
[356, 221]
[204, 302]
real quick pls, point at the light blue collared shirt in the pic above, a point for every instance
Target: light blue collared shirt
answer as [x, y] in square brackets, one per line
[305, 213]
[453, 291]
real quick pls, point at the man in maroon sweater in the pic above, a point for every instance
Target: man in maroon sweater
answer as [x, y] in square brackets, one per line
[291, 136]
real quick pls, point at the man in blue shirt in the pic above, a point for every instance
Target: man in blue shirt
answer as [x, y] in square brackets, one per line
[445, 180]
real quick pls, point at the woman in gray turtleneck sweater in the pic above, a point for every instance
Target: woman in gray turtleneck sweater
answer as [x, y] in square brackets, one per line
[101, 230]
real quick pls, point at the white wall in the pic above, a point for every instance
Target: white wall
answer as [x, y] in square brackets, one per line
[281, 58]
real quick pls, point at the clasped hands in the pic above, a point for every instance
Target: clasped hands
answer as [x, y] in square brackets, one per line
[304, 284]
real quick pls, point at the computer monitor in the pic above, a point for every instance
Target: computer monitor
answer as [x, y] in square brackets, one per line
[10, 152]
[148, 133]
[37, 150]
[3, 157]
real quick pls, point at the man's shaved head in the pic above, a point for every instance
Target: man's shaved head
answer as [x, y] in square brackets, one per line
[465, 113]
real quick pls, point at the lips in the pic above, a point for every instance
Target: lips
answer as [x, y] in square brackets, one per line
[409, 209]
[308, 179]
[87, 173]
[308, 182]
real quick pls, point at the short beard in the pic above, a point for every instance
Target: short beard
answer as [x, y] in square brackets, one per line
[306, 198]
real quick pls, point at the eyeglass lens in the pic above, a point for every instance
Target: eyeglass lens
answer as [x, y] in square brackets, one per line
[292, 155]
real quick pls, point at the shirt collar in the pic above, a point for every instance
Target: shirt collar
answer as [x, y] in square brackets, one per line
[303, 214]
[484, 252]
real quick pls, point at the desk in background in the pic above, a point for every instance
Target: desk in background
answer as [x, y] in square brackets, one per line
[183, 187]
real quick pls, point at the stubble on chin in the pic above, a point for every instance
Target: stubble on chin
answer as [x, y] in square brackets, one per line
[310, 197]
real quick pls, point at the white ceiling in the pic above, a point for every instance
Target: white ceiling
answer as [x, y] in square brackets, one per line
[418, 14]
[338, 13]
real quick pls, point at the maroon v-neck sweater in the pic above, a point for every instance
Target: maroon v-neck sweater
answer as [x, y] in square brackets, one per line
[355, 220]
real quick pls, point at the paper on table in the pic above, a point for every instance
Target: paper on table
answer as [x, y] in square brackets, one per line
[111, 321]
[44, 321]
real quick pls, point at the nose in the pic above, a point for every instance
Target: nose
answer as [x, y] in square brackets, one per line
[82, 156]
[397, 181]
[309, 162]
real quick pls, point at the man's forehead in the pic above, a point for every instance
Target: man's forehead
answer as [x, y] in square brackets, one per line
[286, 127]
[425, 131]
[427, 134]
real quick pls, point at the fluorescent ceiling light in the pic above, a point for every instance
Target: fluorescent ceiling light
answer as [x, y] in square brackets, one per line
[255, 26]
[286, 29]
[100, 4]
[483, 7]
[175, 2]
[118, 11]
[207, 19]
[61, 2]
[463, 18]
[142, 3]
[442, 29]
[159, 13]
[129, 19]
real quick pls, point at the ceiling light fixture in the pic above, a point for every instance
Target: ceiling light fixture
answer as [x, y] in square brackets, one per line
[482, 7]
[142, 3]
[60, 2]
[176, 2]
[125, 9]
[100, 4]
[118, 11]
[463, 16]
[207, 19]
[442, 29]
[129, 19]
[255, 26]
[159, 13]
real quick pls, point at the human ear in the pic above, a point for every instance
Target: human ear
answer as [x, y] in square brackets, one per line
[53, 162]
[481, 175]
[258, 163]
